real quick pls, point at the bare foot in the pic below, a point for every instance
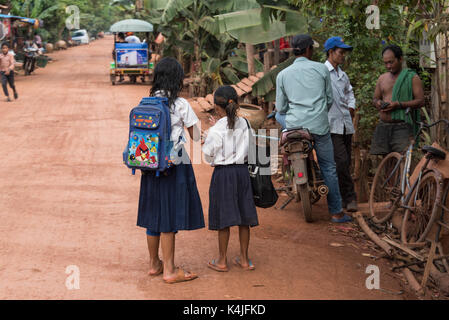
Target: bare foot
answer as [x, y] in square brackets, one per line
[180, 276]
[156, 268]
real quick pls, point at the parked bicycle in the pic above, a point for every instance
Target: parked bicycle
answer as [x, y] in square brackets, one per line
[392, 189]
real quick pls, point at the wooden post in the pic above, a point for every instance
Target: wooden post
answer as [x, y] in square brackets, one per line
[277, 51]
[266, 61]
[250, 59]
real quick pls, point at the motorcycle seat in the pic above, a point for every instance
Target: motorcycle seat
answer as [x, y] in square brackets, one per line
[295, 135]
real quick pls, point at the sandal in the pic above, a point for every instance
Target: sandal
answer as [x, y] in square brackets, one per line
[213, 265]
[250, 266]
[181, 277]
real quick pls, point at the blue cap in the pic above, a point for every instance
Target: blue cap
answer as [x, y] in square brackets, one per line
[336, 42]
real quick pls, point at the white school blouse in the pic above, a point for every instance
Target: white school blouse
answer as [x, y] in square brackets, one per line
[181, 115]
[226, 146]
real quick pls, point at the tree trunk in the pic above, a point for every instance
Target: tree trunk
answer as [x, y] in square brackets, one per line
[277, 51]
[250, 59]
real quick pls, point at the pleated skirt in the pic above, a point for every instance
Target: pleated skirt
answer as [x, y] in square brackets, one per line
[170, 202]
[231, 200]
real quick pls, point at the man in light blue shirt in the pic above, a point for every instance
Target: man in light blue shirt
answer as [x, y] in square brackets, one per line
[304, 95]
[340, 119]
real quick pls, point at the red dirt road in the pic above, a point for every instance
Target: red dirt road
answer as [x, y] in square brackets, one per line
[67, 199]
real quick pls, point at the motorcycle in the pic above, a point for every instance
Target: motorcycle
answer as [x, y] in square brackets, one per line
[301, 171]
[29, 63]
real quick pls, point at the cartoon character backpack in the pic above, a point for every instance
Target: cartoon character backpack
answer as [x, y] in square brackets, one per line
[149, 144]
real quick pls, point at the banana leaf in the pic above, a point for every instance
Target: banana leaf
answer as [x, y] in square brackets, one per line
[266, 86]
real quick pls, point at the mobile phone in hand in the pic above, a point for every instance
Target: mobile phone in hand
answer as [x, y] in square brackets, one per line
[384, 105]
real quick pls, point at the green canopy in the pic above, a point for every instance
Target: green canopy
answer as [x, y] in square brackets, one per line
[132, 25]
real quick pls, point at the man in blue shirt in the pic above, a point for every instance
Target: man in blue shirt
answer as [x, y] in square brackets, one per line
[304, 95]
[340, 118]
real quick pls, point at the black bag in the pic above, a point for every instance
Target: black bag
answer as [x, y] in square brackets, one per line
[264, 193]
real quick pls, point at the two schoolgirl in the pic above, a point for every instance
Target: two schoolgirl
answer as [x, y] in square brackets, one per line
[171, 202]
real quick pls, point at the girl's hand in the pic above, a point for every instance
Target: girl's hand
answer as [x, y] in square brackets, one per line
[212, 120]
[203, 136]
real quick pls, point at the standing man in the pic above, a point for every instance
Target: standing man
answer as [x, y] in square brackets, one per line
[304, 95]
[396, 90]
[7, 63]
[340, 119]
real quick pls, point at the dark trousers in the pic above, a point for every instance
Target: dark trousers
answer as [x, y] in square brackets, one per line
[342, 155]
[8, 79]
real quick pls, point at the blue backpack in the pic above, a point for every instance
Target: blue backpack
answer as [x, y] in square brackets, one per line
[149, 144]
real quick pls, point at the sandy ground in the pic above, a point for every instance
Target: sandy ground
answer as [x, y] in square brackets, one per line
[67, 199]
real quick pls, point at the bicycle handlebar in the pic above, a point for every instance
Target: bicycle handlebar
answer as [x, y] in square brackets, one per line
[423, 125]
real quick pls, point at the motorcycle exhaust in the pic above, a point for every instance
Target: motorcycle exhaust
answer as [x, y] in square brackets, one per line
[323, 190]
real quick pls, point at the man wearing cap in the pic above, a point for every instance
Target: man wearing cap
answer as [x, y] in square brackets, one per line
[340, 118]
[131, 38]
[304, 95]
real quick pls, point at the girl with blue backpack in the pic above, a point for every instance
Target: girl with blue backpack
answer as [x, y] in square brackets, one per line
[171, 202]
[231, 201]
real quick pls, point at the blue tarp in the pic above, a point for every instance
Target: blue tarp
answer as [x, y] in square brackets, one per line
[23, 19]
[121, 45]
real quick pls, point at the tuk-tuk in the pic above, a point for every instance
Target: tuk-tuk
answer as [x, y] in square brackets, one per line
[131, 59]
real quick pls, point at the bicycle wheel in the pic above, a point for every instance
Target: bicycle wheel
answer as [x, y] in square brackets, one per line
[386, 189]
[303, 190]
[423, 208]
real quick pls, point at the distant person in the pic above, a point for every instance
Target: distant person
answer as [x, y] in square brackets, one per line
[396, 90]
[38, 40]
[7, 63]
[121, 37]
[131, 38]
[171, 202]
[231, 200]
[340, 118]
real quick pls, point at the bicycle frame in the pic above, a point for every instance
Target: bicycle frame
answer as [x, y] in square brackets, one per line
[405, 175]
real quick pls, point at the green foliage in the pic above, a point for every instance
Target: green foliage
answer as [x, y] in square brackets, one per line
[95, 15]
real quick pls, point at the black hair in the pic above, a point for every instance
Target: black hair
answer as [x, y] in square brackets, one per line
[395, 49]
[121, 35]
[300, 52]
[5, 44]
[226, 97]
[168, 78]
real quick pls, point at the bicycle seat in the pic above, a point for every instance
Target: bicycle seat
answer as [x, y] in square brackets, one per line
[434, 152]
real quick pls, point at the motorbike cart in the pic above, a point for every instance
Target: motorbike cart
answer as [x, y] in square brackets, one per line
[131, 59]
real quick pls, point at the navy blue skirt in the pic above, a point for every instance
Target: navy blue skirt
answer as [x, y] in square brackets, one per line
[231, 201]
[171, 202]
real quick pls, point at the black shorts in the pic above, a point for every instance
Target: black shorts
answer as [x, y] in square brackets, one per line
[391, 137]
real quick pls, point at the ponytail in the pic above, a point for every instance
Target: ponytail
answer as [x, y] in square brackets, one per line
[226, 98]
[231, 113]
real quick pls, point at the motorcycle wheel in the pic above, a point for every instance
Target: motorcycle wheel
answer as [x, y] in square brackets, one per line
[303, 190]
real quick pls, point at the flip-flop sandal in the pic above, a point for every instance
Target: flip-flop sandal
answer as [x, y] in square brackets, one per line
[250, 267]
[344, 219]
[213, 265]
[181, 277]
[158, 272]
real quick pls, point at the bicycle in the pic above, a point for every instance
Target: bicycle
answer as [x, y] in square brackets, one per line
[391, 189]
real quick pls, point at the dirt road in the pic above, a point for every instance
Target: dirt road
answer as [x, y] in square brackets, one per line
[67, 199]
